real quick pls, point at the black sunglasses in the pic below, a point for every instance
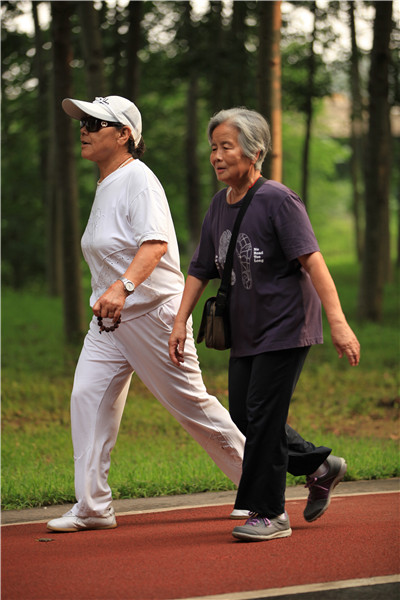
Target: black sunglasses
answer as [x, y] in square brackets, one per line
[92, 124]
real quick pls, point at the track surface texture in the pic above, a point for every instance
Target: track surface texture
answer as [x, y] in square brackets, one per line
[189, 552]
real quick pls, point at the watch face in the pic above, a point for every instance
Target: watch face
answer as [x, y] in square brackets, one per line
[129, 286]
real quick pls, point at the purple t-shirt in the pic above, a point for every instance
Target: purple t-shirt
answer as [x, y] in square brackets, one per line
[273, 304]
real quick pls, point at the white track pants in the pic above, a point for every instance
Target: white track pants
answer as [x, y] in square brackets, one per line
[101, 384]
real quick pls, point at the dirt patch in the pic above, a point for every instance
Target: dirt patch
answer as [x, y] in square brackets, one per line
[369, 426]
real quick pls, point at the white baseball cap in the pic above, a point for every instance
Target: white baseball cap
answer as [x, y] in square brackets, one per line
[111, 108]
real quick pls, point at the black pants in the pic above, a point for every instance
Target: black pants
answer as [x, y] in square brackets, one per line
[260, 390]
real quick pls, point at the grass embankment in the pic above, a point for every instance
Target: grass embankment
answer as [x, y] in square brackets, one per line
[352, 410]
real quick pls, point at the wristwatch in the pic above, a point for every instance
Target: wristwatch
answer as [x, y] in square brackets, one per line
[129, 286]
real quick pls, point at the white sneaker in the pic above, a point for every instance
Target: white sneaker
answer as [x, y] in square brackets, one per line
[239, 514]
[70, 522]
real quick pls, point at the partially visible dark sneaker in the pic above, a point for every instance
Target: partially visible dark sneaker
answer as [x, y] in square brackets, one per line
[321, 488]
[258, 529]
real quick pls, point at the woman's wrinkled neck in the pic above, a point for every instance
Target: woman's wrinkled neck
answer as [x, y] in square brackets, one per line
[236, 191]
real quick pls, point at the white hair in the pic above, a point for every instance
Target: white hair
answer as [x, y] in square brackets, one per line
[254, 132]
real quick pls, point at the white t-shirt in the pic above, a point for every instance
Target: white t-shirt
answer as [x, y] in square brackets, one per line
[130, 207]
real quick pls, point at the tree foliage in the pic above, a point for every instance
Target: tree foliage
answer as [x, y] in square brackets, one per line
[179, 66]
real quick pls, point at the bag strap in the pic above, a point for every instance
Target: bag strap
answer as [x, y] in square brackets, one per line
[223, 292]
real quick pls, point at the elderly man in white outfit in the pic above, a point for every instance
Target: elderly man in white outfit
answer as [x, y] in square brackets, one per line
[131, 248]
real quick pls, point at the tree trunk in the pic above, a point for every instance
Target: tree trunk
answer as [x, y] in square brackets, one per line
[43, 85]
[264, 76]
[194, 213]
[133, 47]
[376, 260]
[53, 219]
[217, 75]
[217, 70]
[67, 196]
[116, 82]
[276, 94]
[92, 49]
[237, 84]
[357, 138]
[309, 109]
[269, 82]
[45, 123]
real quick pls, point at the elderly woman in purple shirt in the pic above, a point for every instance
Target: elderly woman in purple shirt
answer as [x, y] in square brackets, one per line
[279, 281]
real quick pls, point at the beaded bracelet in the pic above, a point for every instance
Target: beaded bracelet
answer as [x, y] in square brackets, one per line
[103, 328]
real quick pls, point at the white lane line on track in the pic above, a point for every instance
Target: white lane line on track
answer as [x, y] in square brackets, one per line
[186, 507]
[302, 589]
[211, 505]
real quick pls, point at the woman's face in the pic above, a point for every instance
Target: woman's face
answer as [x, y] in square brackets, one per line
[230, 164]
[100, 146]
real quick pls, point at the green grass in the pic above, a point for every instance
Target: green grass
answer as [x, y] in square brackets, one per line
[355, 411]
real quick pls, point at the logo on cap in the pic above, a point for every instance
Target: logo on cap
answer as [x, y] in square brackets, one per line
[101, 100]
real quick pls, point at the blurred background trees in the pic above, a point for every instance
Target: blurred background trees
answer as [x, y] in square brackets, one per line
[180, 62]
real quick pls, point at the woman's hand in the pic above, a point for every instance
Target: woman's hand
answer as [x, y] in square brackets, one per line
[111, 303]
[343, 337]
[193, 289]
[176, 343]
[345, 342]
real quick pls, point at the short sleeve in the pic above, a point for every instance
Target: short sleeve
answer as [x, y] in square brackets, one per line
[294, 229]
[203, 264]
[149, 213]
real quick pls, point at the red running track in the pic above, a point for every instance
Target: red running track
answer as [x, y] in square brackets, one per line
[190, 552]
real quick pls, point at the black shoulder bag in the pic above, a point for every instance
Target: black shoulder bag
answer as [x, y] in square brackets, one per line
[215, 326]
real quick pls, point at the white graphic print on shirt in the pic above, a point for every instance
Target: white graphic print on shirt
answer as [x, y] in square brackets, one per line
[222, 252]
[244, 252]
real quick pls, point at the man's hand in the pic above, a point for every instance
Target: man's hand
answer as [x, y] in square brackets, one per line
[111, 303]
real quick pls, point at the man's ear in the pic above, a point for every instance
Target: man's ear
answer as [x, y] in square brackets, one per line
[125, 134]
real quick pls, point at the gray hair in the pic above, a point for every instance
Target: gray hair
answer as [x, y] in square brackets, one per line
[254, 132]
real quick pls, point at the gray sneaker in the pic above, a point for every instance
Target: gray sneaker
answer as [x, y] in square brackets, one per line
[70, 522]
[321, 488]
[258, 529]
